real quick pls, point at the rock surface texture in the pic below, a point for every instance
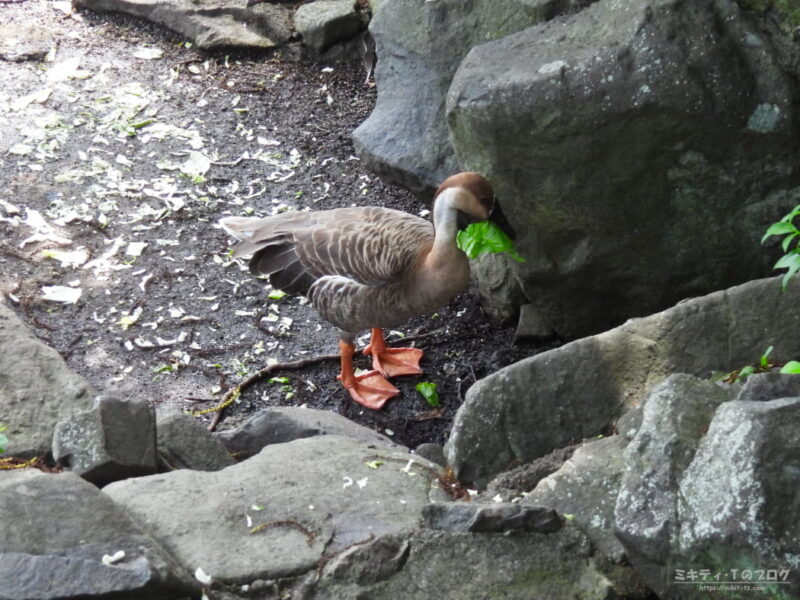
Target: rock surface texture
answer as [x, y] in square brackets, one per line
[57, 530]
[312, 496]
[183, 443]
[555, 566]
[114, 440]
[209, 23]
[281, 424]
[36, 388]
[405, 139]
[213, 24]
[711, 485]
[590, 126]
[576, 391]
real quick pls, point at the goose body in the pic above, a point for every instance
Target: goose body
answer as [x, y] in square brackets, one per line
[368, 268]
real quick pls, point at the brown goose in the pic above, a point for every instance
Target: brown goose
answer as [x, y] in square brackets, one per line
[370, 268]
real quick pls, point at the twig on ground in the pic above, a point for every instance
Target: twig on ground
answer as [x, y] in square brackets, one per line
[233, 393]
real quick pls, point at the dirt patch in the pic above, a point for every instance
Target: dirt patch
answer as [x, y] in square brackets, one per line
[120, 151]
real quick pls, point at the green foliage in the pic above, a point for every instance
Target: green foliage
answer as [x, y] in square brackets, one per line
[792, 367]
[486, 238]
[3, 440]
[791, 259]
[762, 366]
[428, 391]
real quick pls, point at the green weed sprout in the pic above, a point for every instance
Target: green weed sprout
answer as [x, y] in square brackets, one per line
[791, 258]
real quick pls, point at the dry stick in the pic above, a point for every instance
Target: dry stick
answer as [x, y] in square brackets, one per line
[233, 393]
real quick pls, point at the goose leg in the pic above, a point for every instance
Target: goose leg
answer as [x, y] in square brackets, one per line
[370, 389]
[391, 362]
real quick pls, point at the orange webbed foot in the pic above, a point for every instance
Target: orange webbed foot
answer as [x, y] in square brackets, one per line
[392, 362]
[370, 389]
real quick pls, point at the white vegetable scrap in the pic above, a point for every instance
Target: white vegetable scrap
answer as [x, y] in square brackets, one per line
[110, 559]
[72, 258]
[143, 282]
[135, 248]
[348, 481]
[362, 483]
[127, 320]
[148, 53]
[61, 293]
[197, 164]
[407, 468]
[202, 576]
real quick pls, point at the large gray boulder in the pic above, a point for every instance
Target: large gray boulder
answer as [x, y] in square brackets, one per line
[312, 497]
[629, 145]
[211, 24]
[37, 389]
[576, 391]
[280, 424]
[57, 529]
[436, 564]
[419, 45]
[323, 23]
[712, 492]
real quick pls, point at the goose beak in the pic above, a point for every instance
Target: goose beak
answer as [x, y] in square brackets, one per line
[498, 218]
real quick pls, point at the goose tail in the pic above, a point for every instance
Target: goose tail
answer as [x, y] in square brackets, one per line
[241, 228]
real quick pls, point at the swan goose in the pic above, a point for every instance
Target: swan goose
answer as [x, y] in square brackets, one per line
[370, 268]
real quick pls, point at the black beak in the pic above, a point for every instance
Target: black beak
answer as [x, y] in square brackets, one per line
[498, 218]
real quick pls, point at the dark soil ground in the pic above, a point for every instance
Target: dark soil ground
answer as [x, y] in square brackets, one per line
[93, 198]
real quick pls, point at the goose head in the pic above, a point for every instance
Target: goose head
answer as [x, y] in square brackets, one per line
[472, 197]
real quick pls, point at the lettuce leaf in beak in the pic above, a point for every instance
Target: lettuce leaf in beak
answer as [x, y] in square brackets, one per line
[486, 238]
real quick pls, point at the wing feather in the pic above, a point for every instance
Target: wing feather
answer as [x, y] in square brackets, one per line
[371, 245]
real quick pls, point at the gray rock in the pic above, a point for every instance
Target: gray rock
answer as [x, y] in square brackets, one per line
[323, 23]
[494, 280]
[441, 564]
[628, 424]
[531, 326]
[586, 488]
[740, 496]
[211, 24]
[286, 423]
[724, 501]
[387, 555]
[419, 45]
[544, 402]
[676, 414]
[56, 530]
[114, 440]
[184, 443]
[591, 126]
[37, 389]
[495, 517]
[770, 386]
[28, 41]
[432, 452]
[319, 495]
[512, 485]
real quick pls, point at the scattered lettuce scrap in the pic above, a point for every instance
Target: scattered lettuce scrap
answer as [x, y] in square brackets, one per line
[792, 367]
[428, 391]
[486, 238]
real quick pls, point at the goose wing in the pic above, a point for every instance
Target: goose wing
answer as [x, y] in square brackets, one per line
[370, 245]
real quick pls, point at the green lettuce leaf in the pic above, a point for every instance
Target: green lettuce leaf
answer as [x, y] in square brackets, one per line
[486, 238]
